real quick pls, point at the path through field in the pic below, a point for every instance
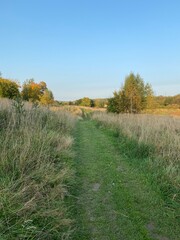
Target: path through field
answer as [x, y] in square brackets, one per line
[115, 200]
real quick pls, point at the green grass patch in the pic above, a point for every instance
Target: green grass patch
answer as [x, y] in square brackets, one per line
[143, 157]
[116, 194]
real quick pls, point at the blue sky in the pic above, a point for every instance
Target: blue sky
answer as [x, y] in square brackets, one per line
[87, 47]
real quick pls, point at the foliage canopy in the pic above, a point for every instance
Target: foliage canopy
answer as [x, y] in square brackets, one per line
[9, 88]
[133, 97]
[32, 91]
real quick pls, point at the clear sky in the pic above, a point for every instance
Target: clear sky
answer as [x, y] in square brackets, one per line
[87, 47]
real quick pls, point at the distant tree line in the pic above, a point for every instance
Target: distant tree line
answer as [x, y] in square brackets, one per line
[87, 102]
[167, 101]
[133, 97]
[31, 91]
[115, 104]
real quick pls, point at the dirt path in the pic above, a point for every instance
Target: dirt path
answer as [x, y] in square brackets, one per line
[115, 201]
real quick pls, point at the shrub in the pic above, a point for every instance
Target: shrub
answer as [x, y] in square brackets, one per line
[9, 88]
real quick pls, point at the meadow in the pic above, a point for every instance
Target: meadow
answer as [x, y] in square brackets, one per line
[164, 111]
[51, 186]
[35, 171]
[157, 138]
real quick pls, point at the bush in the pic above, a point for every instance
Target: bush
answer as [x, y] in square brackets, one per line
[9, 89]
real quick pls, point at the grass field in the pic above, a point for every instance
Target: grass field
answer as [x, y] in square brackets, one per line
[96, 176]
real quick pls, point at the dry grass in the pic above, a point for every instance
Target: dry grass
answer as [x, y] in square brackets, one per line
[164, 111]
[35, 145]
[77, 110]
[161, 133]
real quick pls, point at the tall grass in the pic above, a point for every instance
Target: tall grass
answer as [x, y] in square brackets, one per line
[35, 145]
[78, 110]
[160, 133]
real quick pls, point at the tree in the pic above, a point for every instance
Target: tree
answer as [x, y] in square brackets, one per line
[100, 102]
[118, 103]
[78, 102]
[43, 87]
[133, 97]
[9, 88]
[112, 105]
[86, 102]
[134, 93]
[92, 103]
[150, 101]
[47, 98]
[33, 91]
[176, 100]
